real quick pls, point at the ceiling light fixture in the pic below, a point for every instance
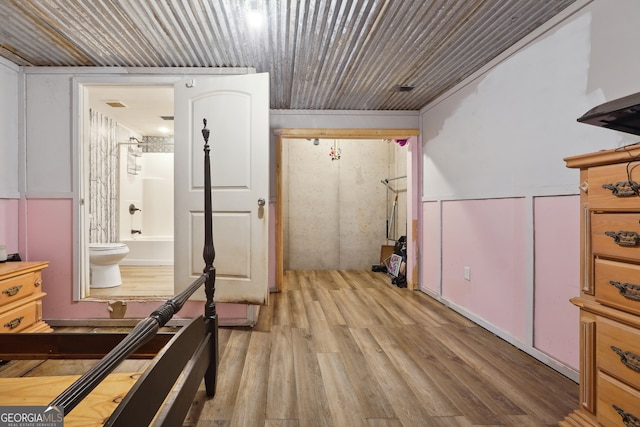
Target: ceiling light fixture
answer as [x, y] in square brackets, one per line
[254, 14]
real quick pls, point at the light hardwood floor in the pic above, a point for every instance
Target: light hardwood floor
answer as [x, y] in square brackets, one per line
[340, 348]
[347, 348]
[153, 282]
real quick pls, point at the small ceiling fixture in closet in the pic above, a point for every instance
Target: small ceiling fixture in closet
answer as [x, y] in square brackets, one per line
[335, 151]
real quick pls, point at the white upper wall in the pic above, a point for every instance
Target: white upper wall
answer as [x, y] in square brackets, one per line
[9, 125]
[50, 122]
[334, 119]
[505, 132]
[52, 119]
[49, 135]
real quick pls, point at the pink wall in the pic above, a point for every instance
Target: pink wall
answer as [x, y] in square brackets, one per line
[49, 230]
[9, 224]
[49, 238]
[557, 277]
[489, 237]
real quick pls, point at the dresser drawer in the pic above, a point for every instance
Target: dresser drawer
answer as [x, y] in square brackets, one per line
[609, 186]
[616, 235]
[617, 403]
[20, 318]
[618, 350]
[617, 284]
[18, 287]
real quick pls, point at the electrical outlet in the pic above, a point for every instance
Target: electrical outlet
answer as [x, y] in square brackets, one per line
[467, 273]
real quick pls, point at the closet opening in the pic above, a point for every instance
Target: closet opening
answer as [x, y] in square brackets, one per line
[342, 198]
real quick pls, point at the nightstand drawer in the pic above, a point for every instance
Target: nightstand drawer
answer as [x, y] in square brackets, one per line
[610, 187]
[616, 235]
[617, 284]
[618, 350]
[20, 318]
[617, 402]
[19, 287]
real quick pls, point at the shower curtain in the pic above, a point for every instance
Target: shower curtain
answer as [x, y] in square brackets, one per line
[103, 179]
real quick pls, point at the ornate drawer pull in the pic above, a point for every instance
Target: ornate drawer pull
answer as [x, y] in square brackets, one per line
[623, 189]
[14, 323]
[628, 359]
[12, 290]
[628, 418]
[627, 290]
[624, 238]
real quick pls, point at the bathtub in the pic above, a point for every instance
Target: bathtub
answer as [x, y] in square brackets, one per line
[149, 250]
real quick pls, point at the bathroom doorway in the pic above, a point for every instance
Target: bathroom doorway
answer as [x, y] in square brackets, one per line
[128, 172]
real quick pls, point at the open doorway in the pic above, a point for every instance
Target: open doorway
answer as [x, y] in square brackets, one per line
[128, 181]
[334, 211]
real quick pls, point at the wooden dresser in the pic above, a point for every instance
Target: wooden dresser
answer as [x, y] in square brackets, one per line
[21, 297]
[609, 298]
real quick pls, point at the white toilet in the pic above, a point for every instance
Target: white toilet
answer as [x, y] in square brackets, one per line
[103, 263]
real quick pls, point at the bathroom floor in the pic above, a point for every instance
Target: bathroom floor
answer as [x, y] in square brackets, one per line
[140, 281]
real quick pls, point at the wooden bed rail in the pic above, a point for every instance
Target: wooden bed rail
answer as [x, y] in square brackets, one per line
[144, 331]
[200, 357]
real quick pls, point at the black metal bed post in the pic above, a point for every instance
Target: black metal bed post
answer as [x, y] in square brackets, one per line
[209, 254]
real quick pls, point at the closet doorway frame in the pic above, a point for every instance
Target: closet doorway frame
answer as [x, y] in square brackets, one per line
[311, 133]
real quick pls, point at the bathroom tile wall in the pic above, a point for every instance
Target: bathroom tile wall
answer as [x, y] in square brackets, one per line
[103, 180]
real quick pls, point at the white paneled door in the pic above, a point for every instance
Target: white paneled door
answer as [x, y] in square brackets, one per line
[237, 112]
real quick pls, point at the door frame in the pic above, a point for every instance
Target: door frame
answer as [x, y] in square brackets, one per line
[91, 76]
[323, 133]
[80, 119]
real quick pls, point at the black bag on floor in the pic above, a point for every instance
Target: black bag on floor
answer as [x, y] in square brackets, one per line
[400, 248]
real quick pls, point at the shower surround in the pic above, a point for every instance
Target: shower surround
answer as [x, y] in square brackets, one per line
[150, 189]
[112, 188]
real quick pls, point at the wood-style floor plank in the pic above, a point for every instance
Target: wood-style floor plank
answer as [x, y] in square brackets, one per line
[384, 422]
[312, 399]
[251, 400]
[229, 373]
[437, 403]
[435, 363]
[407, 406]
[140, 282]
[281, 308]
[344, 403]
[298, 312]
[281, 394]
[331, 312]
[504, 367]
[373, 400]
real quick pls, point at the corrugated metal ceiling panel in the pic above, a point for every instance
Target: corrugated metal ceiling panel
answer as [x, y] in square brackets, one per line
[321, 54]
